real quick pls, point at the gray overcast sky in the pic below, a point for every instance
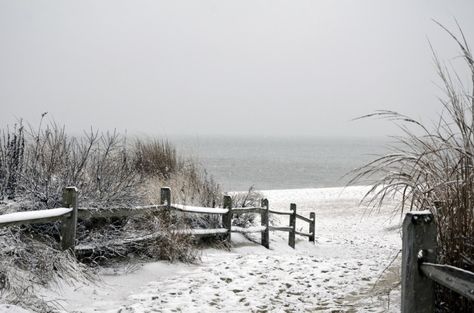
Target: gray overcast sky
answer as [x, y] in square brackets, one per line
[245, 67]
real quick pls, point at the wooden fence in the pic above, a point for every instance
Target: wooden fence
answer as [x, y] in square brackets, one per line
[419, 268]
[70, 213]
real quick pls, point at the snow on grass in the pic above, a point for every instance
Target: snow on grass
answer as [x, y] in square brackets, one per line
[340, 273]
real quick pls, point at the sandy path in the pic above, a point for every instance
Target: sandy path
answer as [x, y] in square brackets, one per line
[334, 275]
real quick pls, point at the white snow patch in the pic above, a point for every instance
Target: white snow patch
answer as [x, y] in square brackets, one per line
[204, 231]
[424, 212]
[196, 209]
[33, 215]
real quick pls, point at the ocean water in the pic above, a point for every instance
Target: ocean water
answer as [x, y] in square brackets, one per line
[279, 163]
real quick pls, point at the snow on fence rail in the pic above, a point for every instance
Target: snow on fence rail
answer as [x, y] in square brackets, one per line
[419, 268]
[71, 213]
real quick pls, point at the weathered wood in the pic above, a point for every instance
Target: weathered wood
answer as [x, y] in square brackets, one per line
[264, 221]
[279, 212]
[85, 249]
[418, 244]
[253, 229]
[303, 234]
[165, 196]
[312, 226]
[454, 278]
[33, 217]
[69, 223]
[227, 217]
[84, 213]
[303, 218]
[280, 228]
[248, 210]
[165, 201]
[291, 235]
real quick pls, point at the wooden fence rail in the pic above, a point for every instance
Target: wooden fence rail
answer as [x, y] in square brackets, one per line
[70, 213]
[419, 268]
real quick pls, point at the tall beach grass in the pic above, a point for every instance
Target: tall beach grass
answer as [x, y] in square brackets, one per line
[430, 166]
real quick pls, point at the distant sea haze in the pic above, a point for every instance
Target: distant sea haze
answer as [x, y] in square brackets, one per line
[237, 163]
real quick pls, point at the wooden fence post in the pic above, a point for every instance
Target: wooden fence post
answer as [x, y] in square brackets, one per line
[264, 222]
[227, 217]
[165, 199]
[292, 232]
[165, 196]
[419, 241]
[69, 223]
[312, 226]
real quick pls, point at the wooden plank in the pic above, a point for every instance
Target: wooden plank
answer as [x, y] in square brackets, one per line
[254, 229]
[165, 196]
[88, 248]
[280, 228]
[279, 212]
[303, 234]
[84, 213]
[69, 224]
[419, 235]
[110, 244]
[291, 235]
[248, 210]
[301, 217]
[454, 278]
[264, 222]
[312, 226]
[227, 218]
[34, 217]
[197, 210]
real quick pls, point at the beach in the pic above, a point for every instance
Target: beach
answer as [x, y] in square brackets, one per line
[352, 267]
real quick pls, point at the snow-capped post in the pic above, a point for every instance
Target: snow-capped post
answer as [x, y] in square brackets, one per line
[69, 223]
[264, 222]
[227, 217]
[292, 233]
[418, 245]
[312, 226]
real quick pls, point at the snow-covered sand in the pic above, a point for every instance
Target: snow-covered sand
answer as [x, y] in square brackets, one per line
[342, 272]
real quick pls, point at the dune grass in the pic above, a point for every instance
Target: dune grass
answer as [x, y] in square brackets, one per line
[110, 170]
[430, 166]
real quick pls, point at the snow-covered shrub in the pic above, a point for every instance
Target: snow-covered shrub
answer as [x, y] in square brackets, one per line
[433, 168]
[251, 198]
[99, 164]
[36, 164]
